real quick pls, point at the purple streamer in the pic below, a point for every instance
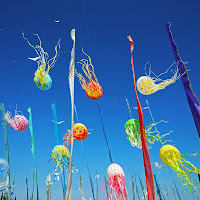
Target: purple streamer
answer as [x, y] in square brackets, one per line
[192, 100]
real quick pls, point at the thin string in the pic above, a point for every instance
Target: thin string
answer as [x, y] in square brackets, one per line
[104, 132]
[83, 148]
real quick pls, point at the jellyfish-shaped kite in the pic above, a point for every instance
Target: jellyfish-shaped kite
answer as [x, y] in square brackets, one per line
[92, 88]
[132, 129]
[60, 155]
[18, 122]
[80, 132]
[148, 85]
[4, 168]
[117, 182]
[171, 156]
[42, 78]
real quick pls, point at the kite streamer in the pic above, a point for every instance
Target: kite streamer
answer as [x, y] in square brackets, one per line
[136, 187]
[6, 150]
[42, 78]
[158, 188]
[142, 186]
[171, 156]
[166, 193]
[133, 187]
[71, 87]
[81, 188]
[106, 186]
[146, 159]
[174, 192]
[33, 151]
[97, 191]
[27, 188]
[174, 184]
[57, 134]
[192, 100]
[55, 119]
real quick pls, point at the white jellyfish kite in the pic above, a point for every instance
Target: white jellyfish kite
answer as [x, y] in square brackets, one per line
[117, 182]
[147, 85]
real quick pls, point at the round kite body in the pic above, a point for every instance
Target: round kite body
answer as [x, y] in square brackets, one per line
[169, 154]
[146, 85]
[80, 131]
[117, 182]
[93, 90]
[60, 155]
[115, 170]
[132, 129]
[43, 81]
[19, 122]
[4, 168]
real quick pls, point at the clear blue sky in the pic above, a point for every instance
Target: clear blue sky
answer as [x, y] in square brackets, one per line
[102, 28]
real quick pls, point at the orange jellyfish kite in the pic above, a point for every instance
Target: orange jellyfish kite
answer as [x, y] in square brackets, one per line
[92, 88]
[80, 133]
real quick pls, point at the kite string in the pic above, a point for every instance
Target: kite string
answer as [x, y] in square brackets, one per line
[105, 136]
[83, 148]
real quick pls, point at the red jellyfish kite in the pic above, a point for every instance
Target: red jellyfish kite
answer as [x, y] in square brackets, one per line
[80, 132]
[92, 88]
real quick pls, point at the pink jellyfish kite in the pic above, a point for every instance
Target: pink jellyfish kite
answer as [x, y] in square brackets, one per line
[117, 183]
[18, 122]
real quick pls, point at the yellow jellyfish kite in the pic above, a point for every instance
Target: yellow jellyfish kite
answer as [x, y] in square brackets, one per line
[92, 88]
[171, 156]
[148, 85]
[60, 155]
[42, 78]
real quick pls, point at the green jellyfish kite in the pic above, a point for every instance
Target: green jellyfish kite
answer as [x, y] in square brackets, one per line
[132, 129]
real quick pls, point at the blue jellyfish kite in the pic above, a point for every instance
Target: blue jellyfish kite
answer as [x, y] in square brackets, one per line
[42, 78]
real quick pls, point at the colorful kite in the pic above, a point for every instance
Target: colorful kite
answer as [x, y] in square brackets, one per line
[80, 133]
[4, 168]
[148, 85]
[117, 182]
[42, 78]
[132, 129]
[60, 155]
[146, 158]
[192, 99]
[171, 156]
[18, 122]
[92, 88]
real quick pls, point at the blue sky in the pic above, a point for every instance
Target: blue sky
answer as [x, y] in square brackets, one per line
[102, 28]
